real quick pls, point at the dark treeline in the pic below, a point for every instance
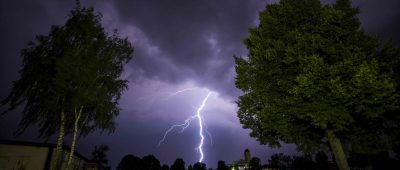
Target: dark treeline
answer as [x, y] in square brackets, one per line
[150, 162]
[320, 161]
[317, 161]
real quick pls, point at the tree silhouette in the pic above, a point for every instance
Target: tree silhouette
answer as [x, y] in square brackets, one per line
[222, 166]
[199, 166]
[130, 162]
[303, 162]
[179, 164]
[99, 154]
[381, 160]
[70, 79]
[165, 167]
[255, 163]
[150, 163]
[280, 161]
[321, 161]
[314, 78]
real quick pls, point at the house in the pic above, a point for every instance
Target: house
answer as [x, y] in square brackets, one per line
[35, 156]
[242, 164]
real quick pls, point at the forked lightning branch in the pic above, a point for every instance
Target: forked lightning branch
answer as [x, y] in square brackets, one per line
[202, 126]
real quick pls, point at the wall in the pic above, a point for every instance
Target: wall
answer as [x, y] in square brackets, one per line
[25, 157]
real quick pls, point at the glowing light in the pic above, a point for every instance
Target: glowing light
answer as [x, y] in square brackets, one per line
[200, 147]
[180, 91]
[184, 125]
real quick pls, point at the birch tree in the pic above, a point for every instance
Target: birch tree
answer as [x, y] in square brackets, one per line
[70, 80]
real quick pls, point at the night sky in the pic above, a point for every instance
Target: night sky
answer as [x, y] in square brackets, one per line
[179, 44]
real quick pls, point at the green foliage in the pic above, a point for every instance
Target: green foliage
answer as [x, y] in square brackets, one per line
[312, 69]
[76, 66]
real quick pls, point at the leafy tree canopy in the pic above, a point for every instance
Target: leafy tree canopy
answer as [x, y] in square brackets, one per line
[76, 66]
[312, 69]
[99, 154]
[313, 76]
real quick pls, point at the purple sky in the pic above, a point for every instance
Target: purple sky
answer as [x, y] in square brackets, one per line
[178, 44]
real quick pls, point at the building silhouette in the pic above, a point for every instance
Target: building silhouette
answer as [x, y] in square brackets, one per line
[33, 156]
[242, 164]
[247, 155]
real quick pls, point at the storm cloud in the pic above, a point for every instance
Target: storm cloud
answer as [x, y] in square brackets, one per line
[179, 44]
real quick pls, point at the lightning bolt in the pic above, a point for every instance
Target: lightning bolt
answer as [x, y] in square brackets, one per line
[180, 91]
[170, 94]
[184, 125]
[200, 147]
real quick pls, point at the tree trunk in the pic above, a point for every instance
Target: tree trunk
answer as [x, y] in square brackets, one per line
[56, 163]
[337, 150]
[74, 136]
